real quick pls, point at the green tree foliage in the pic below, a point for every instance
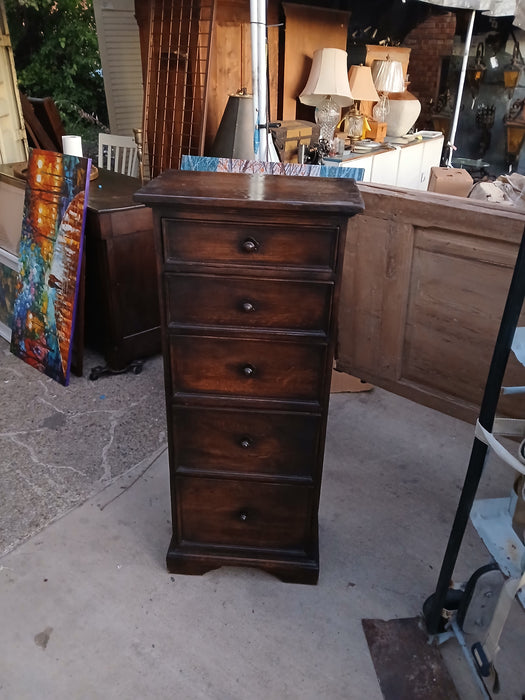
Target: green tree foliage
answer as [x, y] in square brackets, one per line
[56, 55]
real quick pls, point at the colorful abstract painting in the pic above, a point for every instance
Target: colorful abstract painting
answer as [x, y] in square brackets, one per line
[236, 165]
[49, 257]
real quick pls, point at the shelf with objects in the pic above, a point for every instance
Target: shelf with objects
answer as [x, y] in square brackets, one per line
[354, 132]
[480, 608]
[402, 162]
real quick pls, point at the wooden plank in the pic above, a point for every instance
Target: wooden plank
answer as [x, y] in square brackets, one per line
[375, 52]
[490, 250]
[429, 209]
[231, 62]
[37, 135]
[307, 29]
[424, 286]
[406, 665]
[452, 322]
[376, 265]
[48, 115]
[227, 75]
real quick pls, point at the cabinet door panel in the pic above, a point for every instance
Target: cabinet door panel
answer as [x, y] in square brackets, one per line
[243, 513]
[409, 173]
[250, 368]
[432, 151]
[248, 442]
[385, 167]
[364, 162]
[248, 303]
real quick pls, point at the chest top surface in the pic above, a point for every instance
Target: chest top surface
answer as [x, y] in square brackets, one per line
[252, 191]
[112, 191]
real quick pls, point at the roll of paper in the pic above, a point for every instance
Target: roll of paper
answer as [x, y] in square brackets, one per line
[72, 146]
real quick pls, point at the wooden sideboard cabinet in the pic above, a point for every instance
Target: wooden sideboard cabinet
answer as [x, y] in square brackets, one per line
[250, 276]
[118, 308]
[121, 301]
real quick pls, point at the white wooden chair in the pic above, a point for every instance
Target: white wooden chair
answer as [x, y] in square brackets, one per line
[118, 153]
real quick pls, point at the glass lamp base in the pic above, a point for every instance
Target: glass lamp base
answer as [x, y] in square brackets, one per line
[327, 115]
[381, 109]
[354, 126]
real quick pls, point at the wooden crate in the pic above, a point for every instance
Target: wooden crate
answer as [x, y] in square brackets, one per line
[290, 135]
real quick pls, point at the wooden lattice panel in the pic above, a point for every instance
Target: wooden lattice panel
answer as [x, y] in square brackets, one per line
[177, 77]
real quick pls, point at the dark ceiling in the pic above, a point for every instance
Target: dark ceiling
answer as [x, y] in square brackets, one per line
[389, 21]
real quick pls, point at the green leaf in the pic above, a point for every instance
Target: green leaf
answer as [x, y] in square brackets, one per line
[56, 54]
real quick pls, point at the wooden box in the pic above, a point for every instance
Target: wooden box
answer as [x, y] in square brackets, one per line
[377, 130]
[455, 181]
[290, 135]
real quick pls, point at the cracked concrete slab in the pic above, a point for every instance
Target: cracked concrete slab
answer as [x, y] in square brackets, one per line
[60, 445]
[89, 609]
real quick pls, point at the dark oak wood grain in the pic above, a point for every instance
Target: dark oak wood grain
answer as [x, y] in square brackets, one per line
[251, 270]
[254, 192]
[122, 316]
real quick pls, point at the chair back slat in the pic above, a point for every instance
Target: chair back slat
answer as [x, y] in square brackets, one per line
[118, 153]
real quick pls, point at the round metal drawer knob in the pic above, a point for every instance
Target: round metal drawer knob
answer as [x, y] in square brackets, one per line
[248, 370]
[250, 245]
[243, 517]
[248, 307]
[246, 443]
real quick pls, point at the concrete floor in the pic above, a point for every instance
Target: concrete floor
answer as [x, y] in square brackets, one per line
[89, 610]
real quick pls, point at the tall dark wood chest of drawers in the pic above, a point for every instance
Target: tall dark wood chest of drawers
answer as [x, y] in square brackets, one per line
[249, 275]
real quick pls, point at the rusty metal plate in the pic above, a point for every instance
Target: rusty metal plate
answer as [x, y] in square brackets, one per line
[407, 667]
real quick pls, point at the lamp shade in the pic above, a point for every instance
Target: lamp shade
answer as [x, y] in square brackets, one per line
[328, 76]
[361, 84]
[388, 76]
[234, 138]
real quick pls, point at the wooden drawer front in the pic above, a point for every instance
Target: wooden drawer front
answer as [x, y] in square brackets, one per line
[252, 368]
[243, 513]
[242, 244]
[253, 442]
[248, 303]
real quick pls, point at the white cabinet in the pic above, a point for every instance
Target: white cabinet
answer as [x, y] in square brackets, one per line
[410, 172]
[432, 150]
[385, 167]
[402, 165]
[364, 162]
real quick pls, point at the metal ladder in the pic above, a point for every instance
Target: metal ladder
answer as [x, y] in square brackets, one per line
[445, 610]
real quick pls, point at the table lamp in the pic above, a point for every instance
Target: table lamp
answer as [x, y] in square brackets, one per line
[388, 77]
[362, 88]
[402, 109]
[327, 89]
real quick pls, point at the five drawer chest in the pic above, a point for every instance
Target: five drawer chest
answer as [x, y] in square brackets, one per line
[249, 269]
